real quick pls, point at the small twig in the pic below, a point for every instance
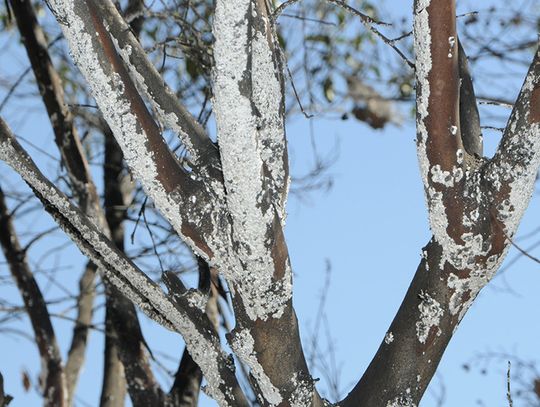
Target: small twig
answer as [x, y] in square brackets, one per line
[522, 251]
[312, 20]
[340, 3]
[164, 58]
[494, 102]
[82, 105]
[307, 115]
[402, 36]
[154, 247]
[21, 77]
[141, 211]
[38, 237]
[470, 13]
[508, 392]
[501, 129]
[368, 21]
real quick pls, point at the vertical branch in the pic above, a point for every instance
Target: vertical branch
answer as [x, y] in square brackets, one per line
[124, 335]
[76, 353]
[440, 150]
[113, 387]
[54, 381]
[248, 104]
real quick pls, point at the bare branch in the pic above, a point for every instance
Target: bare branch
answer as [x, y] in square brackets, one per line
[167, 182]
[187, 381]
[85, 301]
[513, 169]
[123, 274]
[54, 380]
[508, 391]
[51, 90]
[203, 153]
[368, 21]
[124, 336]
[248, 99]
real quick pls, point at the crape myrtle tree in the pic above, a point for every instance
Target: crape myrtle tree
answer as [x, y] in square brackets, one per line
[226, 200]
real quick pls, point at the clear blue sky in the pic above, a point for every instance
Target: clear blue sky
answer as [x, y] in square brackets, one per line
[370, 226]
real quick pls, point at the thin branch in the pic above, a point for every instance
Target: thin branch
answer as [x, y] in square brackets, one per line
[508, 392]
[54, 388]
[368, 21]
[125, 275]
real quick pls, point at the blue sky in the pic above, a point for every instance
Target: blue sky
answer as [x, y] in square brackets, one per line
[370, 227]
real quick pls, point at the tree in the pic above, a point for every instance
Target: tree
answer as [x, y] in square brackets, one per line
[226, 200]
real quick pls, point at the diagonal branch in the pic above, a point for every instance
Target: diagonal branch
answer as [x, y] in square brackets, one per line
[51, 90]
[172, 114]
[123, 328]
[187, 381]
[166, 181]
[514, 167]
[128, 278]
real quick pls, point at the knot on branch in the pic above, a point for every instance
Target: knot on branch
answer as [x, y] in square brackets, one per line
[183, 297]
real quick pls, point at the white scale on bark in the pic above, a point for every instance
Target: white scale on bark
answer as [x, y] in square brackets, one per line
[119, 270]
[247, 95]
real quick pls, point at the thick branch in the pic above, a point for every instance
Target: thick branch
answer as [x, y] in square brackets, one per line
[183, 199]
[124, 275]
[248, 103]
[124, 335]
[54, 380]
[514, 167]
[187, 381]
[172, 114]
[113, 387]
[455, 268]
[408, 356]
[437, 84]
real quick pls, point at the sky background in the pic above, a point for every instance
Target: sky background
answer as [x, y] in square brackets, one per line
[370, 228]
